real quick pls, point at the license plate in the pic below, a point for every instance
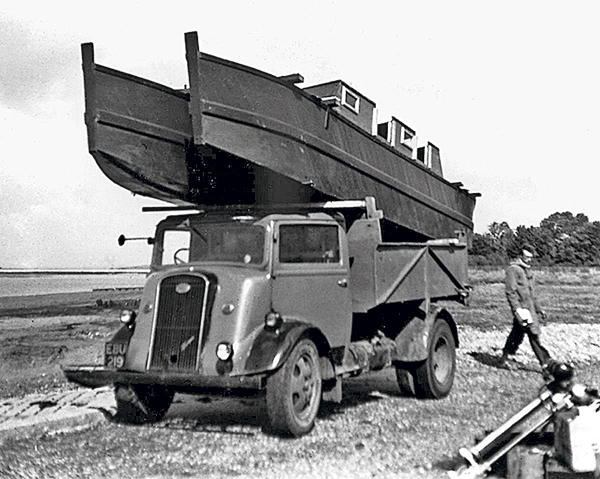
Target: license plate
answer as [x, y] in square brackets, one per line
[114, 355]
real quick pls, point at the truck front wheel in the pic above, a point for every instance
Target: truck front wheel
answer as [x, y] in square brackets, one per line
[138, 404]
[294, 392]
[434, 377]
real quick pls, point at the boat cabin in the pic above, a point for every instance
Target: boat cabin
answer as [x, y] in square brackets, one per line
[357, 108]
[430, 156]
[347, 101]
[399, 136]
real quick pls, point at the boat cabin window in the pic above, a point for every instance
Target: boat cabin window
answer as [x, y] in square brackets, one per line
[407, 137]
[213, 242]
[350, 100]
[309, 244]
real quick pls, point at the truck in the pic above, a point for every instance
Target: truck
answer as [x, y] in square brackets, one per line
[267, 275]
[288, 299]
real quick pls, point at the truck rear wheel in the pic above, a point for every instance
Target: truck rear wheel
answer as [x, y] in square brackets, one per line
[138, 404]
[294, 392]
[434, 377]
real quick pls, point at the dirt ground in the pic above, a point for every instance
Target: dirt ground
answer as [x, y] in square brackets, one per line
[374, 432]
[39, 333]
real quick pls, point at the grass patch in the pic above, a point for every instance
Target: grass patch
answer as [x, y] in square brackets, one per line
[568, 295]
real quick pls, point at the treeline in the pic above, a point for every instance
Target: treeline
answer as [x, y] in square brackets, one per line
[561, 239]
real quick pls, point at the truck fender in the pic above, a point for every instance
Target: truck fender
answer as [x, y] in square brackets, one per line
[272, 348]
[123, 335]
[412, 343]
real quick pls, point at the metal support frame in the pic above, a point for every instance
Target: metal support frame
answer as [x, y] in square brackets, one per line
[368, 204]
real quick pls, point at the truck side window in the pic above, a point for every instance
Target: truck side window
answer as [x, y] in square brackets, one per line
[309, 244]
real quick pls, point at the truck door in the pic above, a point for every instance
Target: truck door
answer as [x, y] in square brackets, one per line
[311, 277]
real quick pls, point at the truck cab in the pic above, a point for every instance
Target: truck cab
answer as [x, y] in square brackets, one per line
[217, 279]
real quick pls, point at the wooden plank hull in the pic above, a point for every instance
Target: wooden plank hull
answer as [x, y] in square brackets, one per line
[240, 135]
[138, 131]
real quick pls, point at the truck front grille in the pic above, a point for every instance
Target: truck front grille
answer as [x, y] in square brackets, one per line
[180, 317]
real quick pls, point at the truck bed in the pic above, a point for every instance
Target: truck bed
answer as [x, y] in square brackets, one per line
[404, 272]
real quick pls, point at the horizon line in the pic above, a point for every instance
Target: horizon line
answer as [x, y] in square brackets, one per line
[25, 271]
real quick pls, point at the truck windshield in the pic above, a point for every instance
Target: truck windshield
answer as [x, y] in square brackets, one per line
[235, 242]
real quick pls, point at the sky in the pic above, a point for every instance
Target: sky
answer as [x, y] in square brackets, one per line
[507, 90]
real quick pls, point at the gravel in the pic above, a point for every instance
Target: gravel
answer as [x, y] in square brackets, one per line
[576, 344]
[375, 432]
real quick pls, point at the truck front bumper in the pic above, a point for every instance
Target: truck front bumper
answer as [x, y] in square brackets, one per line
[97, 376]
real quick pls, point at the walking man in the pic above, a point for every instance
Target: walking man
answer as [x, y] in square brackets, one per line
[526, 311]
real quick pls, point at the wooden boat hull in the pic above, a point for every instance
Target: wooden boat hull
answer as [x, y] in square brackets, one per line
[138, 130]
[240, 135]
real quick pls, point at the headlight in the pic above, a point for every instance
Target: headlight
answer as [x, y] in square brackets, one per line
[224, 351]
[273, 320]
[127, 317]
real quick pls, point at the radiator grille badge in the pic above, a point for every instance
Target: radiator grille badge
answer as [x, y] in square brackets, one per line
[183, 288]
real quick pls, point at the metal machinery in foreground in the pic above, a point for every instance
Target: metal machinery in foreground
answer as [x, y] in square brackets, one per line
[277, 271]
[558, 402]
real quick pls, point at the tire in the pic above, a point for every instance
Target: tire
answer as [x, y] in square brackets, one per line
[405, 375]
[139, 404]
[434, 378]
[293, 394]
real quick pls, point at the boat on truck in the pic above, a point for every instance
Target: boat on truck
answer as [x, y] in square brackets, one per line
[238, 135]
[290, 283]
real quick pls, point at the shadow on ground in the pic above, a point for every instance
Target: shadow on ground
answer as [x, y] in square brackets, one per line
[487, 359]
[248, 415]
[494, 361]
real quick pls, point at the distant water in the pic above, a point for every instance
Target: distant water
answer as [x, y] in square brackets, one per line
[17, 285]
